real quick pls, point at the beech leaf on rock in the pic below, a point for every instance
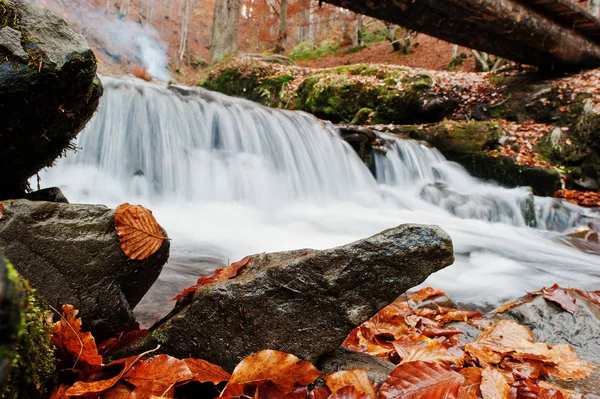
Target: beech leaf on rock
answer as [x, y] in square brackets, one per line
[284, 370]
[421, 380]
[139, 233]
[356, 378]
[493, 384]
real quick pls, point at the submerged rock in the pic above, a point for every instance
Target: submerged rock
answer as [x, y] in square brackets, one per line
[303, 302]
[48, 91]
[70, 254]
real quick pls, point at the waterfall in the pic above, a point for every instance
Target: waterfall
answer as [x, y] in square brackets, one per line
[227, 177]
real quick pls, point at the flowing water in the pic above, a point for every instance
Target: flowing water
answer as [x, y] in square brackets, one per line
[227, 178]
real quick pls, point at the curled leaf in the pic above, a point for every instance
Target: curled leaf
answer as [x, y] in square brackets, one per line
[157, 376]
[560, 296]
[139, 232]
[219, 275]
[75, 348]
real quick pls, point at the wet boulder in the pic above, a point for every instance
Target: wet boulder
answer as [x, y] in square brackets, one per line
[48, 91]
[70, 254]
[303, 302]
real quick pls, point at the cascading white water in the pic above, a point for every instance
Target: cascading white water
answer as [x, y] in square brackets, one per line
[227, 177]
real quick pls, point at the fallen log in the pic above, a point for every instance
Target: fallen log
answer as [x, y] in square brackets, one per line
[502, 27]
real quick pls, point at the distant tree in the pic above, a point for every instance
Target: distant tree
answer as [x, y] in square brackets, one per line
[224, 30]
[282, 36]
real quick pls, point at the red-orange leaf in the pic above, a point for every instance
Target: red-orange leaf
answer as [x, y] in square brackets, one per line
[471, 387]
[111, 345]
[139, 232]
[504, 338]
[565, 364]
[349, 392]
[74, 347]
[546, 389]
[284, 370]
[421, 380]
[560, 296]
[493, 384]
[203, 371]
[157, 376]
[356, 378]
[426, 293]
[433, 351]
[94, 388]
[1, 210]
[219, 275]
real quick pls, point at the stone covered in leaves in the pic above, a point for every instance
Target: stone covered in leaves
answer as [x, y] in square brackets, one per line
[48, 91]
[303, 302]
[70, 253]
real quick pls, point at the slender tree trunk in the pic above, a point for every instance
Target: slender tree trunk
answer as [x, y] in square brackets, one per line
[357, 40]
[282, 36]
[184, 29]
[311, 28]
[224, 30]
[125, 7]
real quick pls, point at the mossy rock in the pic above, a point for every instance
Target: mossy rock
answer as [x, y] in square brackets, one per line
[337, 94]
[48, 91]
[27, 363]
[465, 143]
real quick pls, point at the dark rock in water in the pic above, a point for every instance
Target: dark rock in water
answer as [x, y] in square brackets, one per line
[553, 325]
[10, 319]
[51, 194]
[303, 302]
[70, 254]
[48, 91]
[377, 368]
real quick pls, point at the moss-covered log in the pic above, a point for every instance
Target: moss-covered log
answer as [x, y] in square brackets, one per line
[48, 91]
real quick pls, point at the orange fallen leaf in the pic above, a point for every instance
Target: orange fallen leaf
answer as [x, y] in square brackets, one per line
[471, 387]
[75, 348]
[421, 380]
[1, 210]
[560, 296]
[435, 352]
[139, 233]
[284, 370]
[493, 384]
[93, 389]
[356, 378]
[426, 293]
[349, 392]
[203, 371]
[504, 338]
[566, 394]
[157, 376]
[567, 365]
[219, 275]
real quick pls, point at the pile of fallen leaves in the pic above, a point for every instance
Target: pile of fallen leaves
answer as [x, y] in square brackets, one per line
[520, 141]
[435, 361]
[590, 199]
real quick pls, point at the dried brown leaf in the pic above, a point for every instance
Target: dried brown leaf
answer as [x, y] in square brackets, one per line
[284, 370]
[75, 348]
[506, 338]
[565, 364]
[421, 380]
[139, 232]
[493, 384]
[357, 378]
[435, 352]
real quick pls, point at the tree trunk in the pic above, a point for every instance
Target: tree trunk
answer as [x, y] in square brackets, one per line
[357, 40]
[125, 7]
[224, 30]
[503, 27]
[282, 36]
[184, 29]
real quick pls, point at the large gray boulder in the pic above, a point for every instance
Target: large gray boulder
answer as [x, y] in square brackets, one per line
[303, 302]
[70, 254]
[48, 91]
